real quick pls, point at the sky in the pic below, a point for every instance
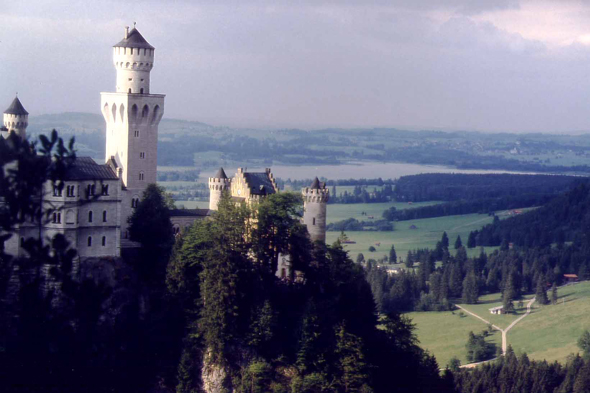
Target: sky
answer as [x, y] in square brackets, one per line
[482, 65]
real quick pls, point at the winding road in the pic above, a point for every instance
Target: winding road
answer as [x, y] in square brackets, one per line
[504, 331]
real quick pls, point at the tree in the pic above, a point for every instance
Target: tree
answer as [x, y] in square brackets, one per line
[372, 249]
[470, 288]
[444, 241]
[458, 243]
[392, 255]
[150, 226]
[352, 365]
[554, 296]
[360, 258]
[584, 344]
[541, 293]
[454, 364]
[471, 241]
[508, 294]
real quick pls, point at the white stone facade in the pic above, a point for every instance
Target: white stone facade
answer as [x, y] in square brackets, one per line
[315, 200]
[132, 116]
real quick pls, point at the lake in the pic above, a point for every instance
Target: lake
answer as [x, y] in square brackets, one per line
[353, 170]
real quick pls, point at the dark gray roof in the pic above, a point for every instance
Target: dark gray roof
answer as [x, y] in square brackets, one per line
[259, 183]
[85, 168]
[134, 40]
[16, 108]
[316, 184]
[220, 174]
[189, 212]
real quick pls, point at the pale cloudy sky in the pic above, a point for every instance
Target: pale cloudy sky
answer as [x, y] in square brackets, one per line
[497, 65]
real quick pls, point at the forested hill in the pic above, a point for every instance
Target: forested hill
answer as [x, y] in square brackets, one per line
[565, 218]
[453, 187]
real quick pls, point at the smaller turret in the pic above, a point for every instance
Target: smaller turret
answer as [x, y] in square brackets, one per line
[315, 199]
[16, 119]
[217, 185]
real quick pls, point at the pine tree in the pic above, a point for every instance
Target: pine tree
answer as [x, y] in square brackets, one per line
[471, 243]
[392, 255]
[352, 366]
[458, 243]
[470, 288]
[541, 293]
[554, 294]
[584, 344]
[456, 280]
[508, 294]
[444, 241]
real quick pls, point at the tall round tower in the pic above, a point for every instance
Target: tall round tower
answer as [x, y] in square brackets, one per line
[217, 185]
[315, 199]
[16, 118]
[134, 59]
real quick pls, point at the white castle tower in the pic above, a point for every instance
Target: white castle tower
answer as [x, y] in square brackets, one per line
[315, 199]
[217, 185]
[132, 116]
[16, 119]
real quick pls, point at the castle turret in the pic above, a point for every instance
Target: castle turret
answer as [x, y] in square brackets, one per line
[217, 185]
[133, 57]
[132, 115]
[315, 199]
[16, 119]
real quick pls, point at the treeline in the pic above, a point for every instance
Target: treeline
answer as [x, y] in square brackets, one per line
[352, 224]
[190, 175]
[511, 373]
[565, 219]
[455, 187]
[298, 184]
[480, 206]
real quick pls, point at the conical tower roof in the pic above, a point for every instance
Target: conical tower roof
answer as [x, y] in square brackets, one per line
[134, 40]
[16, 108]
[220, 174]
[316, 184]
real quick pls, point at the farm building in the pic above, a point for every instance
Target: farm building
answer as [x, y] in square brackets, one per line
[497, 310]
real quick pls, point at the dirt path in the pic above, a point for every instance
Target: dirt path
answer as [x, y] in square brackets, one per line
[504, 331]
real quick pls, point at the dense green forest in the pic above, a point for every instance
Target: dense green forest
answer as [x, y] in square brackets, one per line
[564, 219]
[457, 187]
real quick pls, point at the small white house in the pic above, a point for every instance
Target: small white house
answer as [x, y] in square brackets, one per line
[497, 310]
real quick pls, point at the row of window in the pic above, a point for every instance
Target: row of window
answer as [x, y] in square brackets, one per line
[57, 217]
[146, 51]
[89, 241]
[90, 190]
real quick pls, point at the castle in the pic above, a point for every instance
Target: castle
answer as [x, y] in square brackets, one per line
[93, 208]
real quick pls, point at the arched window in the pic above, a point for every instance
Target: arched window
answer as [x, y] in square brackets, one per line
[105, 111]
[114, 110]
[90, 216]
[144, 112]
[104, 241]
[134, 113]
[156, 114]
[141, 176]
[141, 91]
[89, 241]
[314, 221]
[129, 91]
[104, 216]
[122, 112]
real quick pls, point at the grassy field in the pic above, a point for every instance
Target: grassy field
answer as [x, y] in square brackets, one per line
[445, 334]
[493, 300]
[193, 204]
[551, 332]
[426, 233]
[339, 212]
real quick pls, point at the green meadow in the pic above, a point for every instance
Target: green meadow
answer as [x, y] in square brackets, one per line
[444, 334]
[482, 308]
[551, 332]
[410, 235]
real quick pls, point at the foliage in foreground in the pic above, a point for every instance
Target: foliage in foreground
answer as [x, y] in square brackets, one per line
[315, 333]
